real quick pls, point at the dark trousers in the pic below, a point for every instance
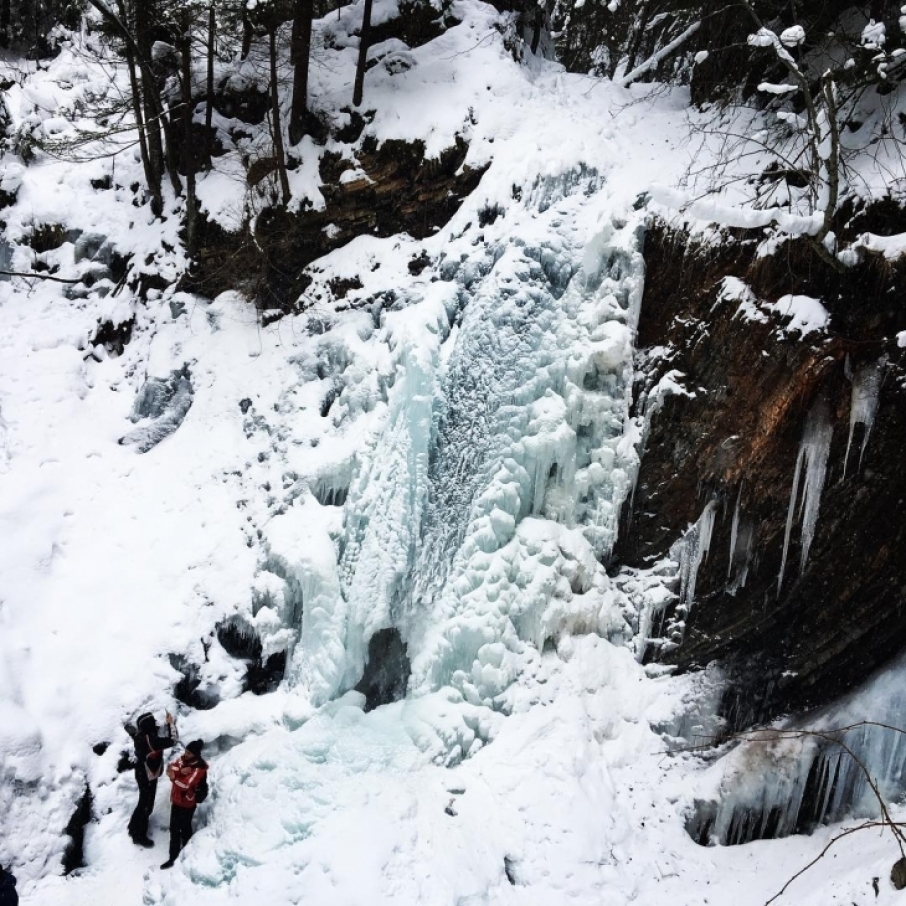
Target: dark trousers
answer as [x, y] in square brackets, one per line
[147, 790]
[180, 828]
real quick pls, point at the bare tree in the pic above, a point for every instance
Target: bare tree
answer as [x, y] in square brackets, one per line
[303, 13]
[364, 43]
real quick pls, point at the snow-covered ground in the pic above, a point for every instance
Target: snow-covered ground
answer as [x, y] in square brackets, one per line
[462, 486]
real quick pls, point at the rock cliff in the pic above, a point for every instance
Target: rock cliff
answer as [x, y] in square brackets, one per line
[769, 397]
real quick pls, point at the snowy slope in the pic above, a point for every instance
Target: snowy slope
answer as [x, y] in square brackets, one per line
[478, 440]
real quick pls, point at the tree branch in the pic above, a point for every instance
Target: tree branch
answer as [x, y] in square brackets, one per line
[656, 58]
[37, 276]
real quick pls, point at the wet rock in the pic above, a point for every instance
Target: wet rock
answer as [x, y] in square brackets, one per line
[188, 689]
[74, 854]
[898, 874]
[401, 191]
[87, 246]
[113, 337]
[387, 670]
[263, 675]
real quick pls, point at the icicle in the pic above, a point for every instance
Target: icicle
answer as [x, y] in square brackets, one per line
[866, 381]
[813, 452]
[789, 518]
[816, 442]
[694, 551]
[773, 789]
[734, 532]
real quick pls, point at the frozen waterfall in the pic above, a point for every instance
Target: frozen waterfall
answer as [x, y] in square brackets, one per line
[479, 513]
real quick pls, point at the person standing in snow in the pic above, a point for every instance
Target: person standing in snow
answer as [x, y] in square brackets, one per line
[8, 895]
[149, 755]
[188, 775]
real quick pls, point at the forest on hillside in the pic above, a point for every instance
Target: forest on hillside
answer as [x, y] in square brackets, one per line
[823, 77]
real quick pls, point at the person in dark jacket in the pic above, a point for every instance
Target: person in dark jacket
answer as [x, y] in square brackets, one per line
[8, 895]
[188, 775]
[149, 755]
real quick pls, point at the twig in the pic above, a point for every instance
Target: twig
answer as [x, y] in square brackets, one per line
[38, 276]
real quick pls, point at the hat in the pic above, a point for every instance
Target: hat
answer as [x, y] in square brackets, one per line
[146, 721]
[195, 747]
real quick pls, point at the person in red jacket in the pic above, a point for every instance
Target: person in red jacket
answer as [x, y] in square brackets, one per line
[188, 775]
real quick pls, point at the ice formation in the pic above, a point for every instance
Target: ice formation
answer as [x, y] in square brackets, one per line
[866, 380]
[742, 534]
[813, 452]
[798, 775]
[691, 551]
[493, 488]
[437, 469]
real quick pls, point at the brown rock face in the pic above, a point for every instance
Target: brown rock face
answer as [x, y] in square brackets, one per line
[735, 442]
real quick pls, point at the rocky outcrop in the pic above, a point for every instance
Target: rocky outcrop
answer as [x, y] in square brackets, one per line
[393, 189]
[761, 403]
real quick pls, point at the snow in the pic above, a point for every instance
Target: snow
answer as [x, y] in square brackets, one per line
[450, 464]
[792, 36]
[807, 315]
[803, 315]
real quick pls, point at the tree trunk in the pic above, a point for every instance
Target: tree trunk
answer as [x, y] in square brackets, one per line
[279, 153]
[155, 115]
[4, 23]
[149, 89]
[364, 40]
[209, 87]
[303, 12]
[188, 138]
[536, 29]
[247, 34]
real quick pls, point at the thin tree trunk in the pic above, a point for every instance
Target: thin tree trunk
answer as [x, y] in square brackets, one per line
[149, 89]
[536, 29]
[4, 23]
[152, 176]
[209, 88]
[155, 115]
[364, 40]
[279, 153]
[188, 142]
[303, 13]
[247, 33]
